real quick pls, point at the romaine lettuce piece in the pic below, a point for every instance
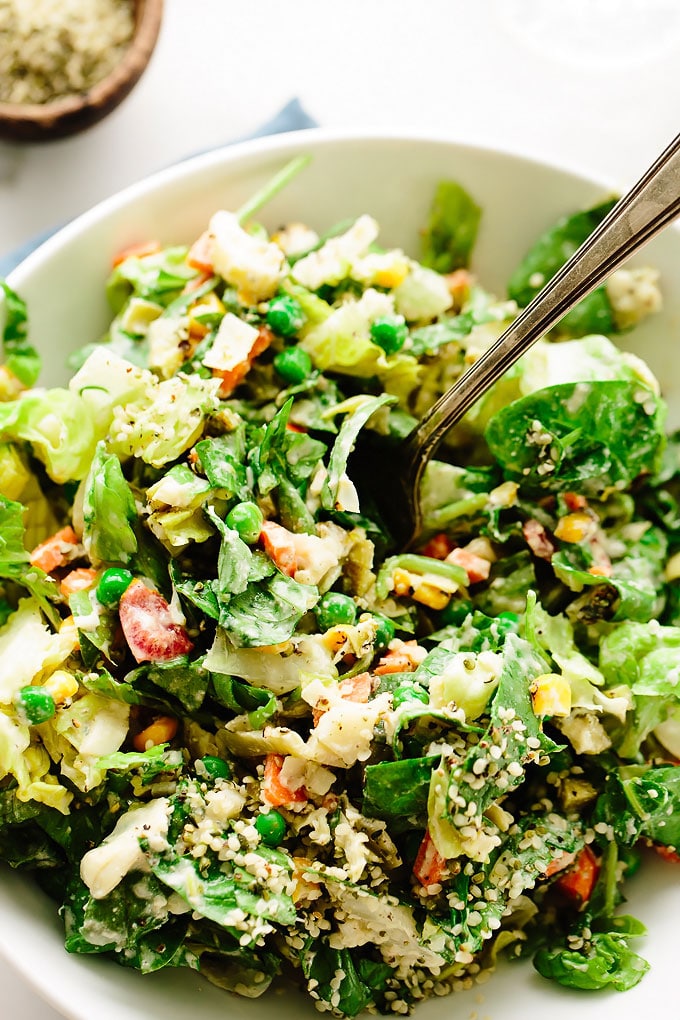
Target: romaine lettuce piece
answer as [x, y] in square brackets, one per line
[28, 646]
[159, 277]
[29, 766]
[164, 421]
[109, 511]
[59, 428]
[341, 343]
[21, 358]
[82, 733]
[105, 380]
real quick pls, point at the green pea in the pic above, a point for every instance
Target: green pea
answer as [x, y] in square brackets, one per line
[34, 705]
[409, 691]
[389, 332]
[506, 623]
[334, 608]
[293, 365]
[247, 519]
[271, 827]
[456, 612]
[285, 315]
[112, 584]
[217, 768]
[384, 633]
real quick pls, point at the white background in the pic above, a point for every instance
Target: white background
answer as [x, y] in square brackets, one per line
[591, 84]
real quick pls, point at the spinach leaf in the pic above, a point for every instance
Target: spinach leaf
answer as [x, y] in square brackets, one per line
[512, 740]
[583, 436]
[606, 961]
[180, 683]
[362, 978]
[233, 561]
[268, 611]
[275, 452]
[594, 313]
[535, 842]
[632, 591]
[21, 358]
[139, 928]
[223, 461]
[240, 697]
[451, 230]
[344, 444]
[395, 789]
[222, 891]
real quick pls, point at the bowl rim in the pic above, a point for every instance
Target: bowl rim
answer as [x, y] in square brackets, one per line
[244, 149]
[105, 93]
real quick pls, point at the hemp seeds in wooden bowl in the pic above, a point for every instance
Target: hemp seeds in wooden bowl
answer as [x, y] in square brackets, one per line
[65, 64]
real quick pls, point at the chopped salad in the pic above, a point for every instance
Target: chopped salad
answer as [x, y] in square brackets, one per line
[240, 732]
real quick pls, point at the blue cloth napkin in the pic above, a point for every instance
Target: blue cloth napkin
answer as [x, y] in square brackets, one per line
[293, 117]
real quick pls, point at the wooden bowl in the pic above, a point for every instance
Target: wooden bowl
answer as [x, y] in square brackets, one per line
[38, 122]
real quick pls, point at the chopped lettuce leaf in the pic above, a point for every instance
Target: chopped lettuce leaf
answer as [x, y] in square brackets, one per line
[109, 511]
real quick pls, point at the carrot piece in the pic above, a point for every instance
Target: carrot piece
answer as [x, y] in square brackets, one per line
[356, 688]
[232, 377]
[579, 881]
[429, 864]
[438, 547]
[76, 580]
[279, 545]
[398, 660]
[459, 283]
[160, 731]
[138, 251]
[195, 282]
[200, 253]
[274, 790]
[476, 567]
[559, 864]
[574, 501]
[54, 551]
[667, 853]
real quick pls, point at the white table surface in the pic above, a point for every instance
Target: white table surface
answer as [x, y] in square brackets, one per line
[591, 84]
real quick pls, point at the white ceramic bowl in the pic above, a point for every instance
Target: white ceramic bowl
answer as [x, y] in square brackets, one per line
[393, 179]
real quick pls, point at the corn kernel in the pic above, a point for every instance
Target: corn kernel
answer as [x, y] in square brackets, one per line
[305, 888]
[504, 494]
[208, 305]
[429, 595]
[160, 731]
[402, 582]
[280, 649]
[672, 572]
[334, 639]
[551, 695]
[68, 627]
[61, 685]
[392, 276]
[575, 527]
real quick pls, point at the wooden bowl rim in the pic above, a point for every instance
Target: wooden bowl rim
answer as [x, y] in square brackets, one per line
[120, 80]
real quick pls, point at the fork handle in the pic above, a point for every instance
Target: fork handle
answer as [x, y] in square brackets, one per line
[647, 208]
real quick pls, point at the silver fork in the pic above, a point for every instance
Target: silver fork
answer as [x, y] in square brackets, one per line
[646, 209]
